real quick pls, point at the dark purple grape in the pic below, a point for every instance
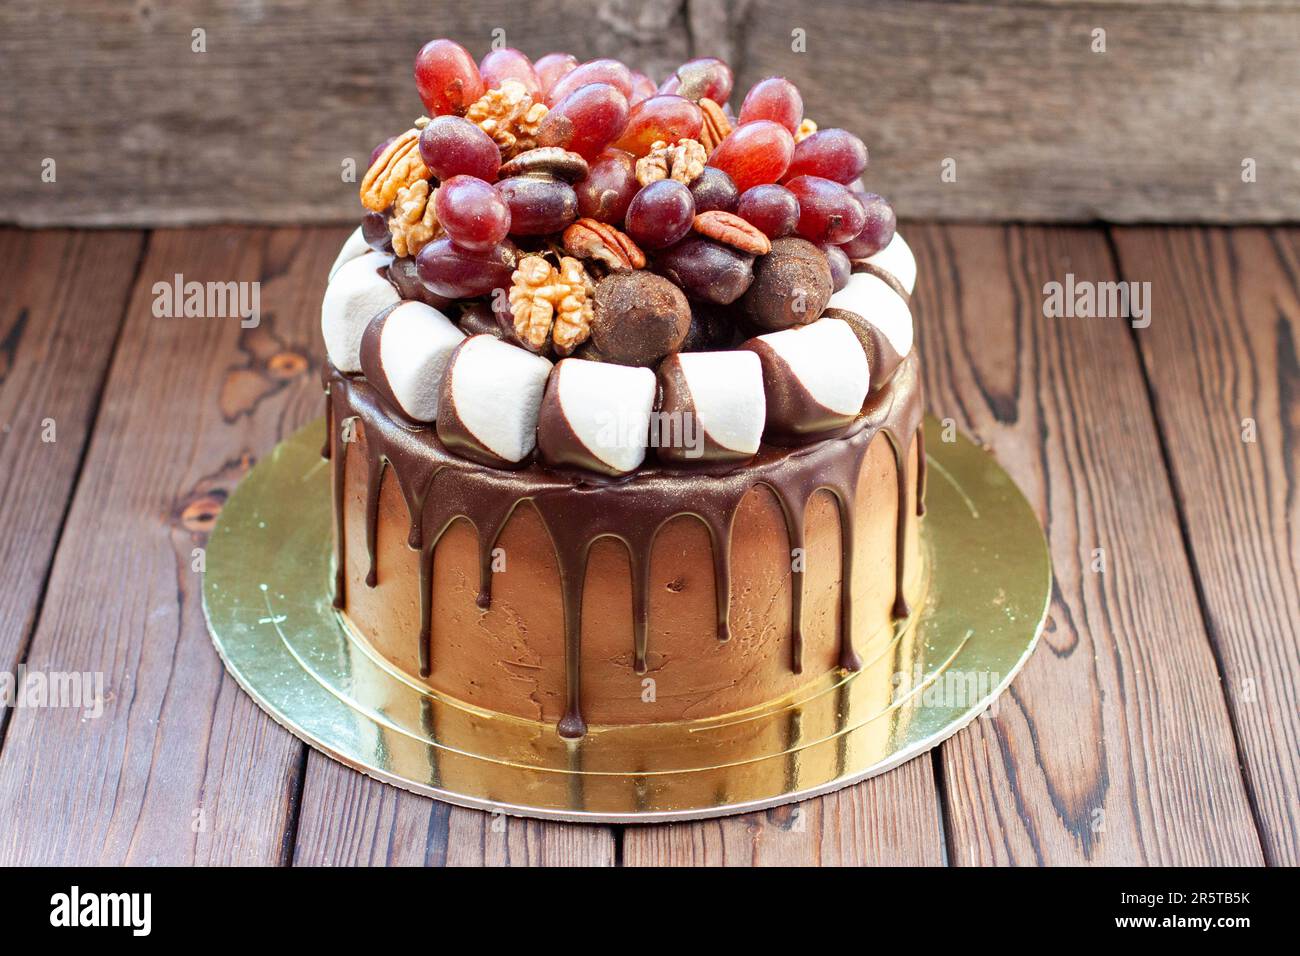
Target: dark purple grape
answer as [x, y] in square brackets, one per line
[828, 212]
[537, 205]
[405, 278]
[772, 209]
[660, 214]
[379, 150]
[834, 154]
[713, 189]
[374, 229]
[841, 268]
[458, 273]
[877, 232]
[473, 213]
[609, 187]
[707, 270]
[453, 146]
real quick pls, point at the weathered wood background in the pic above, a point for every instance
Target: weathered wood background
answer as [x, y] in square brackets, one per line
[142, 130]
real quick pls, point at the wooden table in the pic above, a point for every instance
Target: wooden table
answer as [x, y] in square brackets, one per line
[1156, 724]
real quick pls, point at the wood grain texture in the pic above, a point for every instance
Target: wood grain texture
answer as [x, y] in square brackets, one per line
[351, 820]
[890, 820]
[1222, 355]
[61, 305]
[1114, 744]
[258, 127]
[181, 767]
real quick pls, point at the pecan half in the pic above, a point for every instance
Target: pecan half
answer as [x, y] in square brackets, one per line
[591, 239]
[729, 229]
[397, 167]
[716, 125]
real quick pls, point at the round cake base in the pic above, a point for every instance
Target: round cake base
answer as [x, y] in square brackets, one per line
[267, 598]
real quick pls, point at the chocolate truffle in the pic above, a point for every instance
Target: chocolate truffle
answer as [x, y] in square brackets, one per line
[791, 286]
[639, 318]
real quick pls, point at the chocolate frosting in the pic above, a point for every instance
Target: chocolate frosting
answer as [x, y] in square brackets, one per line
[439, 487]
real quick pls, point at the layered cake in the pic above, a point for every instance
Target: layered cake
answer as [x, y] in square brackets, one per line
[624, 413]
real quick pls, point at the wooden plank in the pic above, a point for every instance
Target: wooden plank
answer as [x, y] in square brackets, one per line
[1038, 124]
[891, 820]
[181, 767]
[351, 820]
[1114, 744]
[1222, 355]
[61, 305]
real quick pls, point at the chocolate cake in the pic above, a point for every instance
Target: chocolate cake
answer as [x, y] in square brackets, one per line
[623, 408]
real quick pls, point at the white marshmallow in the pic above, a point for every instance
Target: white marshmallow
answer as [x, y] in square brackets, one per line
[879, 304]
[354, 246]
[415, 344]
[497, 391]
[607, 407]
[827, 359]
[356, 295]
[727, 392]
[897, 259]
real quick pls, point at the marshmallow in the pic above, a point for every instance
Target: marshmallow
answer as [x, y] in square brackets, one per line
[356, 294]
[713, 402]
[490, 398]
[596, 416]
[355, 245]
[815, 378]
[404, 354]
[897, 259]
[880, 304]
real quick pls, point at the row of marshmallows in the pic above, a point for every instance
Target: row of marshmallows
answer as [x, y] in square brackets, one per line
[494, 402]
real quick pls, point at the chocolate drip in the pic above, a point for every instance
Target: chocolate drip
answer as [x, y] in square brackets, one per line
[920, 472]
[577, 509]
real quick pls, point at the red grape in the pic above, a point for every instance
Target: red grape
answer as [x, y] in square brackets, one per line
[707, 270]
[405, 277]
[776, 99]
[660, 214]
[553, 66]
[446, 77]
[831, 154]
[841, 268]
[770, 208]
[473, 213]
[878, 230]
[667, 118]
[537, 205]
[707, 76]
[827, 211]
[509, 64]
[593, 71]
[754, 153]
[453, 146]
[713, 189]
[642, 88]
[609, 187]
[452, 271]
[374, 229]
[585, 121]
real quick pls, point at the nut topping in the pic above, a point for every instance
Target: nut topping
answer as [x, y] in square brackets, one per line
[551, 303]
[729, 229]
[397, 167]
[413, 223]
[806, 128]
[546, 161]
[682, 161]
[716, 125]
[590, 239]
[509, 115]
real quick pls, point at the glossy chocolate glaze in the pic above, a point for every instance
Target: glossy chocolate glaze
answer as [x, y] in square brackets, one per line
[578, 508]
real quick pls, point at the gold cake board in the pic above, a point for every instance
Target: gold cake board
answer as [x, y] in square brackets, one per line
[268, 604]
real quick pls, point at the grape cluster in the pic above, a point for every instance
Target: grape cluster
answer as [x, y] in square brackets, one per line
[767, 170]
